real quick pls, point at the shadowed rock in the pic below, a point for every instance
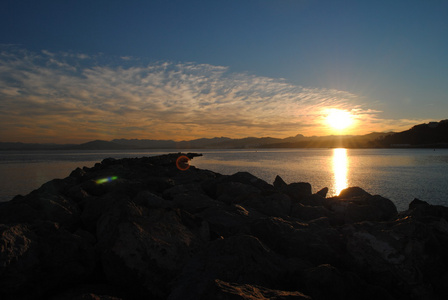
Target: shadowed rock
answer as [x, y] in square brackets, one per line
[353, 192]
[323, 192]
[222, 290]
[239, 259]
[279, 182]
[39, 257]
[141, 228]
[356, 205]
[297, 190]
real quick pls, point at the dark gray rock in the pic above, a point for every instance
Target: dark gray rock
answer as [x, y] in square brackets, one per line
[323, 192]
[235, 192]
[353, 192]
[308, 213]
[297, 190]
[78, 173]
[425, 212]
[316, 244]
[148, 199]
[157, 184]
[238, 259]
[356, 205]
[276, 205]
[42, 257]
[194, 202]
[279, 183]
[144, 248]
[313, 200]
[95, 207]
[227, 220]
[221, 290]
[154, 231]
[42, 206]
[249, 179]
[405, 257]
[183, 189]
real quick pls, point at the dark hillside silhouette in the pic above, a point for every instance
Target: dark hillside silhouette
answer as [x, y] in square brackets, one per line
[430, 135]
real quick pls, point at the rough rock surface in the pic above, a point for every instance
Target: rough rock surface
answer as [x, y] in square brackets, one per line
[149, 230]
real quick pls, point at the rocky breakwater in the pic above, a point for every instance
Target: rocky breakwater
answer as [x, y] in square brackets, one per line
[145, 228]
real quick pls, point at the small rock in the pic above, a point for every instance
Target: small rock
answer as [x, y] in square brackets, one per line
[353, 192]
[279, 182]
[416, 202]
[323, 192]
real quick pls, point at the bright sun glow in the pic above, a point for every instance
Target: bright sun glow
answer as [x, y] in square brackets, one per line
[339, 119]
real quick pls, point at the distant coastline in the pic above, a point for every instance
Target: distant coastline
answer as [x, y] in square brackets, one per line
[429, 135]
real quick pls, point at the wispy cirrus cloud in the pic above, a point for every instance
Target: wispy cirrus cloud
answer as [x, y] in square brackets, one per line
[70, 97]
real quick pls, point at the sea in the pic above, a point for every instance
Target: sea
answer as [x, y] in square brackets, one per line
[400, 175]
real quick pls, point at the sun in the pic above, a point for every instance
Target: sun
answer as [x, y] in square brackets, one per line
[339, 119]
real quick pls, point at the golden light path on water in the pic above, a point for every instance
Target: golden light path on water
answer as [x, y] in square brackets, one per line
[340, 169]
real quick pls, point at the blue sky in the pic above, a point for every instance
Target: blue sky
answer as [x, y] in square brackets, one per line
[188, 69]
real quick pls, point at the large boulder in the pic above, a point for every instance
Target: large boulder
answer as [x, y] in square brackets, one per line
[182, 189]
[313, 243]
[249, 179]
[144, 249]
[227, 220]
[276, 204]
[353, 192]
[235, 192]
[193, 202]
[308, 213]
[406, 257]
[297, 191]
[241, 259]
[235, 187]
[96, 207]
[313, 200]
[425, 212]
[40, 258]
[42, 206]
[356, 205]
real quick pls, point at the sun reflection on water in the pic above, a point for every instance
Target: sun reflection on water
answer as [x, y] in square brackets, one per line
[340, 169]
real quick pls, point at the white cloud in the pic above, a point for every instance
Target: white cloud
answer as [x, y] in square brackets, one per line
[48, 53]
[161, 100]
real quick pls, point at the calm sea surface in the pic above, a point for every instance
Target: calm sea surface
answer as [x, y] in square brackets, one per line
[398, 174]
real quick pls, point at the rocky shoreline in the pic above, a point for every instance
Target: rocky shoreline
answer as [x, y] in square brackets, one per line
[154, 228]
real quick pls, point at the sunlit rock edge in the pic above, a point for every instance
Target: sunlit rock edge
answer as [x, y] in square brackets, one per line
[143, 228]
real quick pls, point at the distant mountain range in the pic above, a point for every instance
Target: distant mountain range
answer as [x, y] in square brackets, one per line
[431, 135]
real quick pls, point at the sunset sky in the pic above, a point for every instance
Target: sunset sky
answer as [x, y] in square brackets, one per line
[76, 71]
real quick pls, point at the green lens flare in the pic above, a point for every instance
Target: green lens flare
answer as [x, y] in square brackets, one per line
[104, 180]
